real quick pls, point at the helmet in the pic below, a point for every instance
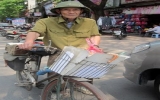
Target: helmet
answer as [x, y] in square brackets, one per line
[76, 4]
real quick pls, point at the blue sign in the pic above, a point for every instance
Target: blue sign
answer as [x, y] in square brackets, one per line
[8, 19]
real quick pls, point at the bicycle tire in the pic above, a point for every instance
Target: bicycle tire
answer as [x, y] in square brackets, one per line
[50, 87]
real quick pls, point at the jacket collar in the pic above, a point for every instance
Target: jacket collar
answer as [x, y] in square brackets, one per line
[61, 20]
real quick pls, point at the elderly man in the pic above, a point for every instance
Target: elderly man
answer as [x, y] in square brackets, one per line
[68, 29]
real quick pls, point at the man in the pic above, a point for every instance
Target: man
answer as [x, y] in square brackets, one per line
[108, 20]
[99, 23]
[155, 30]
[68, 29]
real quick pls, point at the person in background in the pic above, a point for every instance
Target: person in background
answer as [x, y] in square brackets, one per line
[99, 23]
[113, 19]
[154, 30]
[108, 20]
[68, 29]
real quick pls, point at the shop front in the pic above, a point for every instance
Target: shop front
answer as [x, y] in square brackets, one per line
[141, 14]
[142, 17]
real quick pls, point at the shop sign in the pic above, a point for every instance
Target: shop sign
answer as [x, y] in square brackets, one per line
[18, 21]
[97, 2]
[133, 1]
[8, 19]
[112, 3]
[143, 10]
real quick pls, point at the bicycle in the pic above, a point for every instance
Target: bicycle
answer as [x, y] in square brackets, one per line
[66, 84]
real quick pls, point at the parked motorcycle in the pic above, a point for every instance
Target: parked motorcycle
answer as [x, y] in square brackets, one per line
[21, 36]
[3, 32]
[11, 35]
[119, 31]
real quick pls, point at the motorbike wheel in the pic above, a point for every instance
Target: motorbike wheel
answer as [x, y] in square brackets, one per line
[157, 86]
[124, 35]
[19, 39]
[120, 37]
[3, 34]
[9, 38]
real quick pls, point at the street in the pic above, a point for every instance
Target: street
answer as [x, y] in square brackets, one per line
[113, 84]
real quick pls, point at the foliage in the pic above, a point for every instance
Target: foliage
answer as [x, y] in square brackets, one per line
[11, 8]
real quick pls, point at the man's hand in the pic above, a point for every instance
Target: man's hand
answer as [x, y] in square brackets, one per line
[29, 43]
[26, 45]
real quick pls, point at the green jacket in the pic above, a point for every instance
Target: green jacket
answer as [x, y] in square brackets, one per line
[56, 30]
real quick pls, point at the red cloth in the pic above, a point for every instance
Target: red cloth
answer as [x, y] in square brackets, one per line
[93, 49]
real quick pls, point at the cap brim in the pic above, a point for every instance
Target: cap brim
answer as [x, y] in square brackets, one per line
[85, 9]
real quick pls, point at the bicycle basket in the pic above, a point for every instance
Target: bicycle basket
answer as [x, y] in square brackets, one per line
[93, 66]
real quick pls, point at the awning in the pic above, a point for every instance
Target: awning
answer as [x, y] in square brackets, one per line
[143, 10]
[134, 1]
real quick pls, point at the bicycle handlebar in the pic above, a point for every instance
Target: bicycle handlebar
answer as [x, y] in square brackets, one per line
[12, 48]
[43, 50]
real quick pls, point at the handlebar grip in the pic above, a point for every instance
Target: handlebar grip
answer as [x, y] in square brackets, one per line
[43, 50]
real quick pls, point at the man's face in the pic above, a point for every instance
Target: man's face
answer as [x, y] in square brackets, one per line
[70, 13]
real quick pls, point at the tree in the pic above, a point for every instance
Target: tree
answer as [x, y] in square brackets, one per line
[11, 8]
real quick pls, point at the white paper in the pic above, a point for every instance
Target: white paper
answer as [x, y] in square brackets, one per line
[62, 62]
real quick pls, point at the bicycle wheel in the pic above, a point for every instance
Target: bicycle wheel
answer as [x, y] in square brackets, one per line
[72, 91]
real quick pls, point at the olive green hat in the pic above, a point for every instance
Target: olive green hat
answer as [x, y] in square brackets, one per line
[76, 4]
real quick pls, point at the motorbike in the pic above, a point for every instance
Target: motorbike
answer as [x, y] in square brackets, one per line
[11, 35]
[21, 36]
[119, 31]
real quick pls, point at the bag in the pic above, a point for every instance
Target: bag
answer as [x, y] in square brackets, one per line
[13, 49]
[15, 57]
[92, 48]
[17, 63]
